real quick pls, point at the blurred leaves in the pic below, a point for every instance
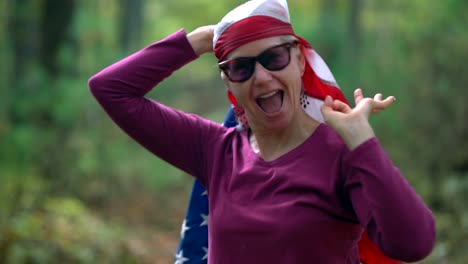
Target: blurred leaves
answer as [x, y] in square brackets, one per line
[62, 230]
[68, 173]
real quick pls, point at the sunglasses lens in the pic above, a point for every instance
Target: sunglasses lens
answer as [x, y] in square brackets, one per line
[275, 59]
[241, 69]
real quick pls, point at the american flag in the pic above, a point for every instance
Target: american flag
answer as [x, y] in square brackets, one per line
[193, 246]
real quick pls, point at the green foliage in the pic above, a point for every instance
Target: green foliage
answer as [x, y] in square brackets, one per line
[63, 162]
[62, 230]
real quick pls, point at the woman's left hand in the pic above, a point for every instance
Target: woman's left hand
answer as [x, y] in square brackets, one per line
[352, 124]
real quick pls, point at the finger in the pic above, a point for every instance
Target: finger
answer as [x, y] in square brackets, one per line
[327, 106]
[333, 107]
[358, 96]
[378, 97]
[328, 101]
[389, 100]
[341, 106]
[383, 104]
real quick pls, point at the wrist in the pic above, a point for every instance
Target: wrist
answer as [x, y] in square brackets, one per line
[201, 40]
[357, 133]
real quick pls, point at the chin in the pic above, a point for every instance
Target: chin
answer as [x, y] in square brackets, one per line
[278, 123]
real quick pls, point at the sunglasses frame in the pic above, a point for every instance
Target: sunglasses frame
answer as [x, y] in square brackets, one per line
[224, 65]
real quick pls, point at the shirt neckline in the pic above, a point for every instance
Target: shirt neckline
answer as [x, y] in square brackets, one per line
[286, 157]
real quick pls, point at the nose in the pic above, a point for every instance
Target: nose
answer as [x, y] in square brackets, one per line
[261, 74]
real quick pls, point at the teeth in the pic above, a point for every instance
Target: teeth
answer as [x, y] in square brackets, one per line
[268, 95]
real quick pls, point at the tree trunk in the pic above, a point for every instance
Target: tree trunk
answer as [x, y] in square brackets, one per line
[328, 31]
[24, 34]
[353, 45]
[131, 22]
[37, 30]
[355, 27]
[55, 21]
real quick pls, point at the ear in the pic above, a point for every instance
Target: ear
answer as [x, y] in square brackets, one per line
[222, 75]
[224, 78]
[301, 60]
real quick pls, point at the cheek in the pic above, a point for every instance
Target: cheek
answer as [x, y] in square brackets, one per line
[236, 95]
[240, 91]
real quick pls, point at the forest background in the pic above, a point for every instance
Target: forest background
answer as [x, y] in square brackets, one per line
[75, 189]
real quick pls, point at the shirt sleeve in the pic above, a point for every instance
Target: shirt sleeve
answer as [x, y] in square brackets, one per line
[176, 137]
[393, 214]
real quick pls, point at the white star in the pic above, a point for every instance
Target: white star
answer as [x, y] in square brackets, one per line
[205, 220]
[206, 253]
[204, 193]
[184, 229]
[179, 258]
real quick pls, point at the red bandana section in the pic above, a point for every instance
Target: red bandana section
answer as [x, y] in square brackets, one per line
[248, 30]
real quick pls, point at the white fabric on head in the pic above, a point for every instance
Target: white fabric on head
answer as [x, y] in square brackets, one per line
[320, 67]
[273, 8]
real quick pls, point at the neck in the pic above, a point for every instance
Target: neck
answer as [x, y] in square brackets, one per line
[271, 145]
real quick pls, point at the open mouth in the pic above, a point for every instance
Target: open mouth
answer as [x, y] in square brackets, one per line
[271, 102]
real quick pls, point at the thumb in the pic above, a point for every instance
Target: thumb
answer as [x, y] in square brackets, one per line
[327, 106]
[328, 102]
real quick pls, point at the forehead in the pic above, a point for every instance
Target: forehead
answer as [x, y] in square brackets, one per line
[255, 47]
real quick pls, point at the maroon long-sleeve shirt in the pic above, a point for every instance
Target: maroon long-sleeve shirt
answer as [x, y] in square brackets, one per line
[308, 206]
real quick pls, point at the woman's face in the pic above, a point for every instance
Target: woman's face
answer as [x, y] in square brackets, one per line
[270, 98]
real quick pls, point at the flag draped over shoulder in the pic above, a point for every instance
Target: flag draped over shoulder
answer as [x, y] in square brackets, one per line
[193, 246]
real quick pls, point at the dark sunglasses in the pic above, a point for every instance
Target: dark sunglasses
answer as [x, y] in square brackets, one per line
[273, 59]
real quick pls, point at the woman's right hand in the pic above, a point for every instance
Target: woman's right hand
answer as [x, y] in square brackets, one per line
[201, 39]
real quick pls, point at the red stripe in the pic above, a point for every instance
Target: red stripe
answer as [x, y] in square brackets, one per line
[248, 30]
[371, 254]
[316, 88]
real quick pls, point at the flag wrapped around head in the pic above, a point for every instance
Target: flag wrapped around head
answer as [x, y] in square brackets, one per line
[257, 19]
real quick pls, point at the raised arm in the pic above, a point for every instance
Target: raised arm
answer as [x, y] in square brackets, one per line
[175, 136]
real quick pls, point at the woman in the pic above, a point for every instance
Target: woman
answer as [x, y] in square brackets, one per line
[285, 187]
